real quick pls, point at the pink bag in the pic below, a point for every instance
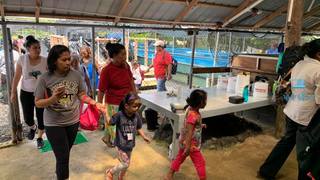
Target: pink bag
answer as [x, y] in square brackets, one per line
[89, 118]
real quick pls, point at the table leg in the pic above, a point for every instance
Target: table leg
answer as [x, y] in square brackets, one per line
[142, 107]
[176, 126]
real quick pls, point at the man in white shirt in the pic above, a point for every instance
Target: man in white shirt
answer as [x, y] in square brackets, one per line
[300, 110]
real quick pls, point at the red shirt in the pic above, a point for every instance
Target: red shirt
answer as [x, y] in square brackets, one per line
[193, 117]
[115, 82]
[160, 63]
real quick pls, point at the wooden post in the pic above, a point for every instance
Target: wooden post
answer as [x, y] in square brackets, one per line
[14, 115]
[146, 53]
[294, 22]
[136, 50]
[126, 42]
[292, 37]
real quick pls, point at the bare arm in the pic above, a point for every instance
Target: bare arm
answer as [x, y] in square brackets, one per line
[100, 96]
[43, 103]
[16, 79]
[169, 71]
[149, 67]
[100, 99]
[87, 80]
[140, 131]
[188, 139]
[88, 100]
[134, 89]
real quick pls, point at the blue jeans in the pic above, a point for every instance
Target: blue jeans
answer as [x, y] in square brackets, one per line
[161, 84]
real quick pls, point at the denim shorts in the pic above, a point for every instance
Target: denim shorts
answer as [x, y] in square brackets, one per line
[161, 84]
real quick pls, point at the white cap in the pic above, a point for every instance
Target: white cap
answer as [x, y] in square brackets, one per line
[159, 43]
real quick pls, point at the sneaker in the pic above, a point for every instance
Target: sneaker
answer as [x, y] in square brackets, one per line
[31, 133]
[263, 176]
[40, 143]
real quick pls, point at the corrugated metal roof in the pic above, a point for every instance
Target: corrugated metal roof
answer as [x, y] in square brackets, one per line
[278, 22]
[271, 5]
[208, 14]
[205, 13]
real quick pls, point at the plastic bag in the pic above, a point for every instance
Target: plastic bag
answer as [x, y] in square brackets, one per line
[89, 119]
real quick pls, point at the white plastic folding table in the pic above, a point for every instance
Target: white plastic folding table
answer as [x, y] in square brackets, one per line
[217, 104]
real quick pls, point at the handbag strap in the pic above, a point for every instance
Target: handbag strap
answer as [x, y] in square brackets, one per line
[287, 75]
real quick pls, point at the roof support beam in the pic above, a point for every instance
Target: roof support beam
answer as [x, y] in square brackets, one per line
[2, 10]
[124, 6]
[186, 10]
[37, 12]
[271, 16]
[245, 6]
[310, 6]
[202, 4]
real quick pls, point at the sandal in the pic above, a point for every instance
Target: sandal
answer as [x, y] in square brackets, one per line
[108, 143]
[109, 175]
[121, 175]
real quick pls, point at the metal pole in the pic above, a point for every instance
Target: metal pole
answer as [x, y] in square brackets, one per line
[244, 43]
[215, 55]
[192, 58]
[98, 49]
[94, 62]
[230, 38]
[216, 49]
[229, 50]
[172, 51]
[123, 36]
[14, 115]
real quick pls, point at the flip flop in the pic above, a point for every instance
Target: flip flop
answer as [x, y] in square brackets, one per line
[109, 175]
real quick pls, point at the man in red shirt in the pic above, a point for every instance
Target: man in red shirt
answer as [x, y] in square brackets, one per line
[162, 64]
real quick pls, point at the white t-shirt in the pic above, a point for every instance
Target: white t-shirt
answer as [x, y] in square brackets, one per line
[30, 73]
[3, 69]
[136, 75]
[305, 84]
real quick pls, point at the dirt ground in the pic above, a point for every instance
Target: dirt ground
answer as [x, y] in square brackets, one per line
[149, 162]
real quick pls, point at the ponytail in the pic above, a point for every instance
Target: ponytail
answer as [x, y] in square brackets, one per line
[130, 97]
[311, 48]
[195, 99]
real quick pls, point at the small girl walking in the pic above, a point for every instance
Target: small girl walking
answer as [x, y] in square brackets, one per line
[128, 123]
[190, 136]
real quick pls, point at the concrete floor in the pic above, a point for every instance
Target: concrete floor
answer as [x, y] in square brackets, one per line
[149, 162]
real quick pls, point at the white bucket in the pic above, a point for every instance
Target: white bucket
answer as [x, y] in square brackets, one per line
[242, 81]
[222, 82]
[260, 89]
[231, 88]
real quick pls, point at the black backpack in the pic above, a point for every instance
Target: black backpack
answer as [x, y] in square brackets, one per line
[291, 56]
[174, 66]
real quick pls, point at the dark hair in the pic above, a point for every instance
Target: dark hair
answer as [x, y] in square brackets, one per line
[114, 49]
[311, 48]
[54, 55]
[196, 97]
[30, 40]
[129, 98]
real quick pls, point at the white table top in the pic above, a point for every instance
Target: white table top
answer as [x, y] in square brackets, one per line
[217, 103]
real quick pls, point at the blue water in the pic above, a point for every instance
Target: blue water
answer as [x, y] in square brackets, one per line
[203, 57]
